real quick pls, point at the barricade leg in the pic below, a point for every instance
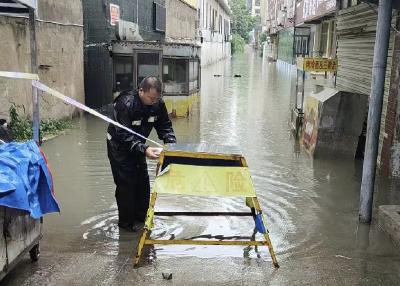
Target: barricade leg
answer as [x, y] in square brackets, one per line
[140, 247]
[268, 242]
[147, 228]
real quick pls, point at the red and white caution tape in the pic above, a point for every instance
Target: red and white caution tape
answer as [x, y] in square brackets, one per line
[19, 75]
[81, 106]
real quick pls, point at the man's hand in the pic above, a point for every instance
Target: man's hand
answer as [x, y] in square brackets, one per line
[153, 153]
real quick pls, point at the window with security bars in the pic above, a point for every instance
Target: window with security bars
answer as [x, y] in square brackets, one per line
[123, 73]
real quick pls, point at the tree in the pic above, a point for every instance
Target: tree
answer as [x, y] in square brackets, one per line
[242, 21]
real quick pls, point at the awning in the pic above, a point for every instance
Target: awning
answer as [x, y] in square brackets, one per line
[395, 3]
[17, 7]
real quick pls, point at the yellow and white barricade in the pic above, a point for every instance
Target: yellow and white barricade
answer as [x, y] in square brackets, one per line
[188, 171]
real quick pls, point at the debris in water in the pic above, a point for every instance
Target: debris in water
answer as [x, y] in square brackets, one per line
[237, 75]
[341, 256]
[217, 75]
[167, 276]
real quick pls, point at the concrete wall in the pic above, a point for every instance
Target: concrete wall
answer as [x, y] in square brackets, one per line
[181, 22]
[60, 57]
[97, 19]
[67, 12]
[212, 52]
[14, 56]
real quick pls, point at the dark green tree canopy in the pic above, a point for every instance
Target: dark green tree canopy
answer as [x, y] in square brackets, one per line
[242, 21]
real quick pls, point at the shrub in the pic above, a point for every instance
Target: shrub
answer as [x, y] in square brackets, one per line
[238, 44]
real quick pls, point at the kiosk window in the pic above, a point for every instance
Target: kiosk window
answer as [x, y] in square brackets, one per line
[123, 78]
[148, 65]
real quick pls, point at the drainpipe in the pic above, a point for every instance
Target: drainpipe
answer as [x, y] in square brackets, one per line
[375, 109]
[34, 70]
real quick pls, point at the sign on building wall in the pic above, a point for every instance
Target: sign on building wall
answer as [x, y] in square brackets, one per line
[317, 64]
[114, 14]
[310, 131]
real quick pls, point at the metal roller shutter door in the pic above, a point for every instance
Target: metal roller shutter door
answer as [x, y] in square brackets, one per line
[356, 30]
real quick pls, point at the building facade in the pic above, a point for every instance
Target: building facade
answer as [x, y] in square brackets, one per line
[214, 30]
[59, 38]
[300, 27]
[345, 30]
[254, 7]
[318, 17]
[181, 57]
[123, 44]
[129, 40]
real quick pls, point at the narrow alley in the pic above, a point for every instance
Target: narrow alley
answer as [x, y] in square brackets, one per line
[311, 205]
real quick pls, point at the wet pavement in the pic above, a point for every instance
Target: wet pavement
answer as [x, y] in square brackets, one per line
[311, 205]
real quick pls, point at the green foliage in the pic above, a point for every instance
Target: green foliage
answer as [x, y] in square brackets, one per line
[242, 21]
[238, 44]
[51, 126]
[21, 127]
[263, 37]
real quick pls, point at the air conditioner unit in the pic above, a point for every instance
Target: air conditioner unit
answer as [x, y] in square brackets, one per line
[128, 31]
[281, 18]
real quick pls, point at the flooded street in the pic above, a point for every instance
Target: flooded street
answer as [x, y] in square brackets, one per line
[311, 205]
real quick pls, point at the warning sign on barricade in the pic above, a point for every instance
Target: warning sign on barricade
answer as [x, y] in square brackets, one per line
[205, 181]
[187, 170]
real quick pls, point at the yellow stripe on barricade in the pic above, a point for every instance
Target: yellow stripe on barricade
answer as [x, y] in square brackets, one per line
[205, 181]
[19, 75]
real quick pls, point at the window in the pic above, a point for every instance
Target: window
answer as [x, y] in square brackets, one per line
[159, 18]
[301, 45]
[324, 38]
[123, 73]
[206, 22]
[226, 27]
[147, 65]
[210, 21]
[175, 75]
[213, 20]
[354, 2]
[193, 75]
[349, 3]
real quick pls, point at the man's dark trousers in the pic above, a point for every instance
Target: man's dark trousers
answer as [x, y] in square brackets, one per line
[132, 183]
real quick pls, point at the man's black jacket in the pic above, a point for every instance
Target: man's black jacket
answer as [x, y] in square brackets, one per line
[130, 112]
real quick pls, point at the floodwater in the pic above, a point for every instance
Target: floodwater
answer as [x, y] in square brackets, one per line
[311, 206]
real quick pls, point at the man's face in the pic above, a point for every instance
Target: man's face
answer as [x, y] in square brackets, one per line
[149, 97]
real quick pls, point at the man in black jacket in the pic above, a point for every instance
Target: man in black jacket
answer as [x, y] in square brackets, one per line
[139, 111]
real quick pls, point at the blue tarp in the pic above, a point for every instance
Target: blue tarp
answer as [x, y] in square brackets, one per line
[25, 180]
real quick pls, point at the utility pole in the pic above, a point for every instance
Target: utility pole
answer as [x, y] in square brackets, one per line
[34, 70]
[375, 109]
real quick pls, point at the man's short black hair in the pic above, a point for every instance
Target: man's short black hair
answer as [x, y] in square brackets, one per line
[150, 82]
